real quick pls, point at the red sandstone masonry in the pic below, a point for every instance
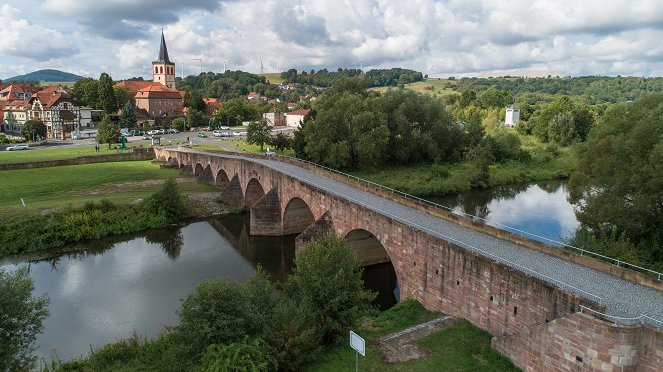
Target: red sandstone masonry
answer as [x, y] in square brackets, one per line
[534, 319]
[580, 342]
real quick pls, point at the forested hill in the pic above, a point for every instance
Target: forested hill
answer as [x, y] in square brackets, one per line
[593, 89]
[374, 78]
[45, 75]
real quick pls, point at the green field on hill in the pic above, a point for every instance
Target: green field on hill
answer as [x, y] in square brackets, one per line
[273, 77]
[427, 86]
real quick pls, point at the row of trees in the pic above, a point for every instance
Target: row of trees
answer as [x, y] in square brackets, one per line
[230, 84]
[351, 127]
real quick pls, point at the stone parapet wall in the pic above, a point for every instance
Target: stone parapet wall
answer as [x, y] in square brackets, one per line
[581, 342]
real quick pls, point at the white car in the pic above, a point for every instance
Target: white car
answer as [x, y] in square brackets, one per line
[236, 134]
[223, 127]
[21, 146]
[217, 133]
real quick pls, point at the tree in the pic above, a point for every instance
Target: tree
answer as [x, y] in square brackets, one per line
[178, 124]
[583, 118]
[193, 99]
[561, 129]
[108, 132]
[195, 118]
[326, 282]
[107, 101]
[86, 92]
[258, 133]
[128, 116]
[218, 312]
[123, 96]
[33, 129]
[619, 177]
[21, 319]
[281, 141]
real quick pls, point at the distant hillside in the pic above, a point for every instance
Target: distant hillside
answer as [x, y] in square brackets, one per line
[45, 75]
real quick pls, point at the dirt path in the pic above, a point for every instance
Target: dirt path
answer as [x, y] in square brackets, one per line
[400, 347]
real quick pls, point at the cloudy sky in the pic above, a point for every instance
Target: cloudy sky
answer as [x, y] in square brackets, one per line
[439, 38]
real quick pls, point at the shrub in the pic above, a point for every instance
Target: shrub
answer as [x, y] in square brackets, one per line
[326, 282]
[246, 355]
[168, 202]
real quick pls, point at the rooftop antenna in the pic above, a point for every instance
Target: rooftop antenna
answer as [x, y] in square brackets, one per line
[224, 65]
[201, 63]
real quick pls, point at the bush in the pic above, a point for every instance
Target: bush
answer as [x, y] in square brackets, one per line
[246, 355]
[218, 312]
[168, 202]
[326, 282]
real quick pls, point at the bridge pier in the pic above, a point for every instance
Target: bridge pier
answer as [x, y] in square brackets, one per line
[232, 193]
[266, 215]
[323, 226]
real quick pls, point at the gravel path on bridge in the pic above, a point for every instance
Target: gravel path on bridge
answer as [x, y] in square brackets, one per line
[621, 297]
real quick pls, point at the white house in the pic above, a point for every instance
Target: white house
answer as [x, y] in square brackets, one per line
[296, 118]
[512, 116]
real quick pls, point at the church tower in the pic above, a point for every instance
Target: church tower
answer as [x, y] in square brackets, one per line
[163, 70]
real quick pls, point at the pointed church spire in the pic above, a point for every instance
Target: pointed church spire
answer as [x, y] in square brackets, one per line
[163, 51]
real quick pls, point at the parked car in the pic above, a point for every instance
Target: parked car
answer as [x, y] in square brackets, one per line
[217, 133]
[270, 153]
[223, 127]
[147, 137]
[172, 131]
[201, 135]
[75, 136]
[236, 134]
[206, 129]
[20, 146]
[152, 132]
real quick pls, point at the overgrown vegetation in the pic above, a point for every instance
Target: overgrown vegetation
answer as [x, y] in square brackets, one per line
[21, 319]
[232, 326]
[36, 232]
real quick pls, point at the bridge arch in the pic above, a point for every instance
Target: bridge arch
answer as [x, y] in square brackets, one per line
[379, 274]
[297, 216]
[198, 170]
[206, 175]
[367, 246]
[221, 178]
[254, 191]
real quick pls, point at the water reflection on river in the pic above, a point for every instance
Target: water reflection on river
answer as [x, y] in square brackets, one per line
[541, 208]
[107, 289]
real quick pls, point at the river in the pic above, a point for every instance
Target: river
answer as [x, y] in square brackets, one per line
[102, 291]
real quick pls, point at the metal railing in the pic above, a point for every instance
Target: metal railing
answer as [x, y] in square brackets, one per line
[616, 320]
[523, 233]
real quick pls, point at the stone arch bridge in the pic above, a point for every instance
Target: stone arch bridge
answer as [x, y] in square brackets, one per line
[546, 308]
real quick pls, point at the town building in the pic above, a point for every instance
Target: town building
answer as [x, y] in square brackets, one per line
[15, 114]
[296, 118]
[57, 110]
[18, 92]
[275, 119]
[512, 116]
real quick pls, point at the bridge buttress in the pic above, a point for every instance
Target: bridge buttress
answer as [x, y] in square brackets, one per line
[232, 193]
[322, 227]
[266, 215]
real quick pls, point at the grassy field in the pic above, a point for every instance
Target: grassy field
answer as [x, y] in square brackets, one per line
[61, 187]
[273, 77]
[242, 145]
[427, 86]
[461, 347]
[34, 155]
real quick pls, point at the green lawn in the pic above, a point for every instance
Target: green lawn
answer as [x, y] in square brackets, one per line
[60, 187]
[461, 347]
[242, 145]
[34, 155]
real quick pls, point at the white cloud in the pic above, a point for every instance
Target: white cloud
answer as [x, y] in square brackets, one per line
[456, 37]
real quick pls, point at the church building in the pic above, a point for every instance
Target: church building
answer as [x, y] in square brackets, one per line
[163, 70]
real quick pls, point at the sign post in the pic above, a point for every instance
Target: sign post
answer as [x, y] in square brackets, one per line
[357, 343]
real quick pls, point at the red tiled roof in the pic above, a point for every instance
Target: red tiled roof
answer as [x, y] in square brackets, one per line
[134, 86]
[16, 106]
[159, 92]
[302, 112]
[50, 96]
[12, 91]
